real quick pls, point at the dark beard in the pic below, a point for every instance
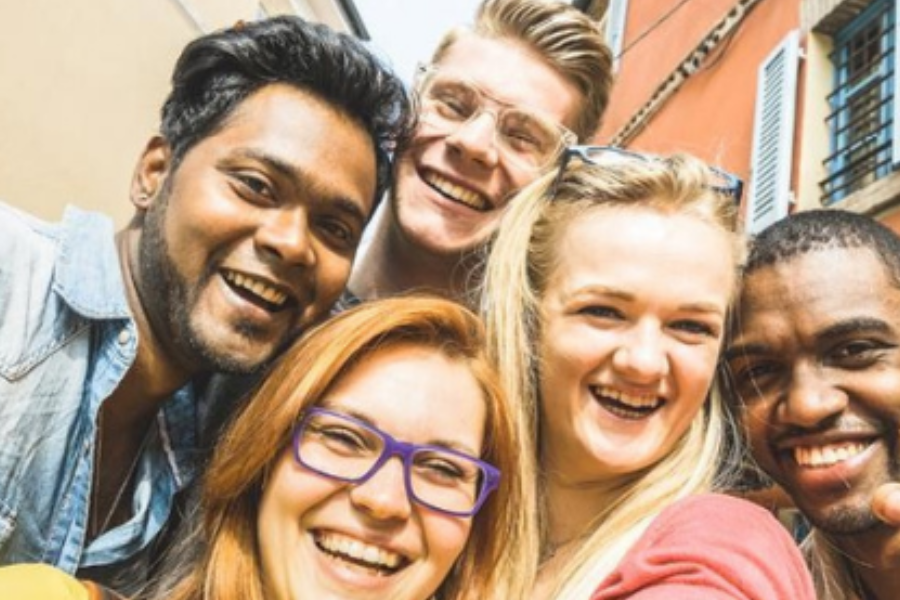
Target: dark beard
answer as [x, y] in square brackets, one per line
[167, 299]
[846, 520]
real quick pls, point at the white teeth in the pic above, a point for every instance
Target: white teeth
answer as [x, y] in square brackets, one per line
[825, 456]
[458, 193]
[373, 556]
[647, 401]
[260, 288]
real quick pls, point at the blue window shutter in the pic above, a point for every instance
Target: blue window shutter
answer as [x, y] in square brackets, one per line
[895, 140]
[773, 135]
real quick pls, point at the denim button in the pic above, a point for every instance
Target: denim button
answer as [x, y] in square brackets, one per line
[124, 336]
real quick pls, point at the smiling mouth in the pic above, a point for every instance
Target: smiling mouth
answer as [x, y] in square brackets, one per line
[626, 406]
[374, 559]
[256, 290]
[827, 455]
[457, 193]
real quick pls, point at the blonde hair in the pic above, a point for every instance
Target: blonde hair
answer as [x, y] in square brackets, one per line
[229, 567]
[566, 39]
[522, 259]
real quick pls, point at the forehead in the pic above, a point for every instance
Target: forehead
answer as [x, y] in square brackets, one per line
[406, 388]
[810, 292]
[668, 254]
[300, 132]
[512, 73]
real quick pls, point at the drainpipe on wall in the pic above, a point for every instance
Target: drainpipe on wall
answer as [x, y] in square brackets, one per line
[357, 26]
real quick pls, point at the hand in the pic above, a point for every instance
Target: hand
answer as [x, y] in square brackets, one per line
[886, 503]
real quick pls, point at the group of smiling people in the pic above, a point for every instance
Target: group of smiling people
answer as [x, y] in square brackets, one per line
[568, 435]
[572, 448]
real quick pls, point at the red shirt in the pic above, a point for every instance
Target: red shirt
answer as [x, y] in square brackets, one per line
[711, 547]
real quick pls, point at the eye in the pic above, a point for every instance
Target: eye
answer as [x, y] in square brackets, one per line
[441, 469]
[857, 354]
[522, 140]
[338, 438]
[600, 311]
[253, 188]
[695, 328]
[338, 233]
[526, 133]
[453, 101]
[752, 378]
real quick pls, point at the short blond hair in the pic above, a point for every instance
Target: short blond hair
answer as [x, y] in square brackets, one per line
[566, 39]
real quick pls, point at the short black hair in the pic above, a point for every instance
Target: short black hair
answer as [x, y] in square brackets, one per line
[216, 72]
[815, 230]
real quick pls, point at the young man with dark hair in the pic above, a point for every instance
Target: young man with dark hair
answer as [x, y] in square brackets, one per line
[814, 363]
[250, 205]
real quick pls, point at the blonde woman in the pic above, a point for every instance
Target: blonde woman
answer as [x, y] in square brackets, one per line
[606, 296]
[377, 460]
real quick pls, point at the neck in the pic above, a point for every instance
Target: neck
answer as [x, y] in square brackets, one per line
[392, 266]
[127, 414]
[155, 374]
[572, 505]
[875, 558]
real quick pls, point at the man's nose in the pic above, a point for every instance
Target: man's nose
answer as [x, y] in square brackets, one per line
[476, 139]
[811, 398]
[285, 234]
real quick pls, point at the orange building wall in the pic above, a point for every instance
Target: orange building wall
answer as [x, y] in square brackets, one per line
[711, 114]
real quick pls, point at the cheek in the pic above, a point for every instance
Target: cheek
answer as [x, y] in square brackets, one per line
[446, 538]
[755, 425]
[289, 495]
[333, 271]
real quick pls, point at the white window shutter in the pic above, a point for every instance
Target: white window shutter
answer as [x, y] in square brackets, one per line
[616, 11]
[773, 135]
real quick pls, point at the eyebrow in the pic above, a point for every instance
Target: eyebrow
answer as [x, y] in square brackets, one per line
[851, 326]
[704, 307]
[443, 443]
[300, 179]
[838, 330]
[740, 350]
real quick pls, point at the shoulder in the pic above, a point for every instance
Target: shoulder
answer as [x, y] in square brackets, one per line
[727, 547]
[741, 535]
[40, 582]
[18, 227]
[713, 510]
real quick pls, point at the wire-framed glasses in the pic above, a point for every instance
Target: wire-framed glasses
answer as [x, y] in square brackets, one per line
[345, 448]
[722, 182]
[528, 139]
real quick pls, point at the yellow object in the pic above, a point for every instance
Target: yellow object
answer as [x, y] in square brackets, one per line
[39, 582]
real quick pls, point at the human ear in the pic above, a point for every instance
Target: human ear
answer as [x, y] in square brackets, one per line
[150, 173]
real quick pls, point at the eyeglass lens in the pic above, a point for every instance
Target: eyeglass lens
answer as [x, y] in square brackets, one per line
[345, 449]
[531, 140]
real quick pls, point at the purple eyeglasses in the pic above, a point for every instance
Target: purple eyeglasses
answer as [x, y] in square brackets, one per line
[345, 448]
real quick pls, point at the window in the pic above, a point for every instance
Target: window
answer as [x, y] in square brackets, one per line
[862, 118]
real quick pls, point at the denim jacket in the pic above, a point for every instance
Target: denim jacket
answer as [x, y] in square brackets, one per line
[66, 340]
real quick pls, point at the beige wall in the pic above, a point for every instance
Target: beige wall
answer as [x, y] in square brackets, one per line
[81, 85]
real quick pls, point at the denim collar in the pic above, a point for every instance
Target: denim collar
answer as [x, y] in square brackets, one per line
[88, 274]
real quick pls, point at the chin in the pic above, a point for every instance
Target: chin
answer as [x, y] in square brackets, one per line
[844, 519]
